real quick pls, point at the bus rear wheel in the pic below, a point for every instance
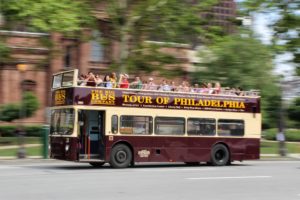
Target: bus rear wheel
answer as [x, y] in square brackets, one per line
[219, 155]
[97, 164]
[121, 156]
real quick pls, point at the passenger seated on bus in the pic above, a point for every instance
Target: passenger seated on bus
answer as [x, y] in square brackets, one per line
[239, 91]
[164, 86]
[137, 83]
[204, 88]
[91, 80]
[217, 88]
[81, 80]
[195, 89]
[106, 82]
[123, 82]
[185, 86]
[173, 86]
[98, 80]
[151, 85]
[113, 79]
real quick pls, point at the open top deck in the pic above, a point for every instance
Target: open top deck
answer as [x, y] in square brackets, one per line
[67, 92]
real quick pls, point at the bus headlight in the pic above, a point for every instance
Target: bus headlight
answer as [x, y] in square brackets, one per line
[67, 147]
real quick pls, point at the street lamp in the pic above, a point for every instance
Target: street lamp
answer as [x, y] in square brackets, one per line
[21, 132]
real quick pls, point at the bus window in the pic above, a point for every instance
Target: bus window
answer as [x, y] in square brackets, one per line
[140, 125]
[56, 81]
[231, 127]
[67, 79]
[62, 121]
[114, 124]
[201, 126]
[169, 126]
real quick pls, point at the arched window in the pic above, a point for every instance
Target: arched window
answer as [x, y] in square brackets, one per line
[97, 49]
[28, 85]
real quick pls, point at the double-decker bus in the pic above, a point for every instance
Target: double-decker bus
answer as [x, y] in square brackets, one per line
[118, 126]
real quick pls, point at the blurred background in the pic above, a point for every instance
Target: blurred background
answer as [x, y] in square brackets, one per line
[251, 44]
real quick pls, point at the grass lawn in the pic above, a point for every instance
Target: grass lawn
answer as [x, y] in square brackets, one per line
[271, 147]
[14, 140]
[30, 151]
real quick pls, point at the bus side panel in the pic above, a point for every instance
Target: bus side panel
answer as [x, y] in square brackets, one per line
[252, 149]
[141, 146]
[184, 149]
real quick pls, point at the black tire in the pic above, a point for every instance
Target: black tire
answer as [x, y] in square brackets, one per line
[97, 164]
[220, 155]
[120, 156]
[192, 163]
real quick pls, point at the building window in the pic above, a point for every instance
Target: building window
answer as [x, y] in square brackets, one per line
[114, 124]
[28, 85]
[201, 126]
[139, 125]
[231, 127]
[97, 49]
[169, 126]
[68, 56]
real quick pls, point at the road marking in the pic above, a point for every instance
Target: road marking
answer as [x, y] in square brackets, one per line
[170, 169]
[228, 177]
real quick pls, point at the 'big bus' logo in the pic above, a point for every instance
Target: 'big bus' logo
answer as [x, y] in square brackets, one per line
[103, 97]
[60, 97]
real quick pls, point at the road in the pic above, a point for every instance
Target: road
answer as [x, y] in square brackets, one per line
[255, 180]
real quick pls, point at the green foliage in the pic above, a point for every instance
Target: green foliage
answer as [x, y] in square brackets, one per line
[292, 135]
[4, 52]
[27, 108]
[134, 22]
[29, 104]
[237, 61]
[63, 16]
[31, 131]
[286, 28]
[293, 111]
[9, 112]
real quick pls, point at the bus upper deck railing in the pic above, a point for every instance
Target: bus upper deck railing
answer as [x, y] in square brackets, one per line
[180, 89]
[69, 79]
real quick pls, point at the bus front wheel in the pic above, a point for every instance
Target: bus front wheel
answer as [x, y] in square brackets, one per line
[219, 155]
[121, 156]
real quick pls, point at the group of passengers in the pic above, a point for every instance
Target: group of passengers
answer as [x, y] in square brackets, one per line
[111, 81]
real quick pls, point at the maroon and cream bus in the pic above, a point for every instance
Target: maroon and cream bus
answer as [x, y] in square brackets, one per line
[124, 126]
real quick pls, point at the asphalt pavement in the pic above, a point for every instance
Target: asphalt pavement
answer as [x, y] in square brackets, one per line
[51, 179]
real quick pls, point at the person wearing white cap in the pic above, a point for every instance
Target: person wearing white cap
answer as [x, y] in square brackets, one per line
[151, 85]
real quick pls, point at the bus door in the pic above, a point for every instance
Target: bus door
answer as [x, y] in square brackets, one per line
[91, 135]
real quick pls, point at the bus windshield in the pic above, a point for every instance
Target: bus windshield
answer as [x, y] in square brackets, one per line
[62, 122]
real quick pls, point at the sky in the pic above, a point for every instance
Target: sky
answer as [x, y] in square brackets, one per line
[260, 26]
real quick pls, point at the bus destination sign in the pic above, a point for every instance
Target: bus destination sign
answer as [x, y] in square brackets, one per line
[154, 99]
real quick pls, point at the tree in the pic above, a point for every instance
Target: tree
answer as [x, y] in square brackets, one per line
[134, 22]
[237, 61]
[12, 111]
[4, 52]
[286, 32]
[64, 16]
[293, 111]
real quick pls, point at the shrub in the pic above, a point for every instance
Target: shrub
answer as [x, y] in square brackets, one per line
[292, 135]
[31, 131]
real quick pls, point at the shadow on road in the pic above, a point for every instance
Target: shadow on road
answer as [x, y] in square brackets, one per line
[86, 166]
